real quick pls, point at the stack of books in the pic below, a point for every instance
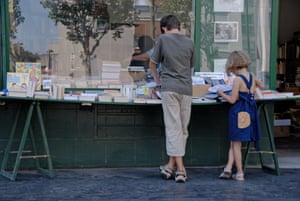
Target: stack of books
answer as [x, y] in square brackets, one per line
[111, 70]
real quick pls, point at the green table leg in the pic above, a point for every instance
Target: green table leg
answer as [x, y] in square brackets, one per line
[27, 128]
[262, 108]
[13, 174]
[271, 141]
[10, 141]
[50, 171]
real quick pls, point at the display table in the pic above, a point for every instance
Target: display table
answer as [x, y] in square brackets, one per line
[95, 134]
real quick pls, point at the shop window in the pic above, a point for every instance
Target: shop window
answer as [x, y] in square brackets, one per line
[89, 42]
[226, 26]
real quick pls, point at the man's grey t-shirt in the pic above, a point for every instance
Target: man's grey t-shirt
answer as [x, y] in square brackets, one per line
[176, 54]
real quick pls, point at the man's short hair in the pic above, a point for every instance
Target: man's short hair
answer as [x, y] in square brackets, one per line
[170, 22]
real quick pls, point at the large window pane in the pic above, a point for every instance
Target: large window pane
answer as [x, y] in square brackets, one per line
[79, 39]
[235, 25]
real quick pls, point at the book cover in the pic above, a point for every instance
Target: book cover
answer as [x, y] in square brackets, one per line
[17, 81]
[34, 71]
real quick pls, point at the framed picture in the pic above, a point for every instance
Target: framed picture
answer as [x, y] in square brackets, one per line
[225, 31]
[228, 5]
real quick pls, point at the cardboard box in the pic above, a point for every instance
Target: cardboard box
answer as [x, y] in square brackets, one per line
[281, 131]
[200, 89]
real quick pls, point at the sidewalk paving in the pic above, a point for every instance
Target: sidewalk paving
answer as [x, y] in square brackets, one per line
[142, 184]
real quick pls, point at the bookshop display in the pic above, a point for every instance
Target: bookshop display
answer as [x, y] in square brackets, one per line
[27, 81]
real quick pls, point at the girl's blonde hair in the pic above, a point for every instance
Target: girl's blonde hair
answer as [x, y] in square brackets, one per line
[237, 59]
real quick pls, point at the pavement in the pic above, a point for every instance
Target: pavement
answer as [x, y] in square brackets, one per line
[142, 184]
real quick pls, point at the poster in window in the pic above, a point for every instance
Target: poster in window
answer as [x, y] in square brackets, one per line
[228, 5]
[34, 70]
[226, 31]
[219, 65]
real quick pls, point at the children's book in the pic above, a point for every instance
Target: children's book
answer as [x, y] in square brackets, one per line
[34, 71]
[17, 81]
[17, 84]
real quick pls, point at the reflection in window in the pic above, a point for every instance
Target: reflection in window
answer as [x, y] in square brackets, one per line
[235, 25]
[75, 38]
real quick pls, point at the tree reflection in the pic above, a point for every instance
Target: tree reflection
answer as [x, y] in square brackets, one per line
[88, 20]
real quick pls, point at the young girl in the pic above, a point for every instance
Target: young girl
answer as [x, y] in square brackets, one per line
[243, 117]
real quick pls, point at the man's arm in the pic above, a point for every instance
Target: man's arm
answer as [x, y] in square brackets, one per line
[154, 73]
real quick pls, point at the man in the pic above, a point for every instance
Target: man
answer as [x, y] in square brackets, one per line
[175, 52]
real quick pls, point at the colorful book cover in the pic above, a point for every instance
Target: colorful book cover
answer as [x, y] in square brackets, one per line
[34, 71]
[17, 81]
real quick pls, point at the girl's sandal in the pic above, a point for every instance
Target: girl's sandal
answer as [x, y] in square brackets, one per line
[238, 177]
[166, 172]
[225, 175]
[180, 176]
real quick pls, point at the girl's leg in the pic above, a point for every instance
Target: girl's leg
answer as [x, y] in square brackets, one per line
[237, 155]
[230, 160]
[227, 172]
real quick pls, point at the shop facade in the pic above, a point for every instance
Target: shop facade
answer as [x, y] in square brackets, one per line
[75, 44]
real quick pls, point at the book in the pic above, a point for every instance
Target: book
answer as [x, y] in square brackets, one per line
[115, 86]
[70, 97]
[139, 100]
[31, 88]
[105, 98]
[110, 75]
[102, 86]
[17, 81]
[153, 101]
[136, 68]
[121, 99]
[41, 94]
[113, 92]
[34, 70]
[111, 66]
[88, 96]
[46, 84]
[17, 93]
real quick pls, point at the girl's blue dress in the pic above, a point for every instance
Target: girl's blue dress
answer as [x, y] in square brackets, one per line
[245, 103]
